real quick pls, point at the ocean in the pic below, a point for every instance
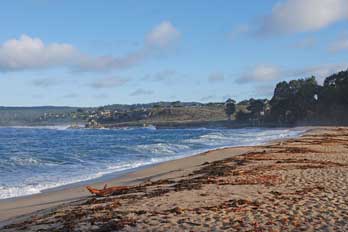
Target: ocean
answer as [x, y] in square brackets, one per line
[36, 159]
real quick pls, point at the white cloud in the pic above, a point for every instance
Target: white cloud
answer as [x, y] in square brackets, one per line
[216, 77]
[163, 35]
[141, 92]
[109, 82]
[260, 73]
[291, 16]
[28, 53]
[31, 53]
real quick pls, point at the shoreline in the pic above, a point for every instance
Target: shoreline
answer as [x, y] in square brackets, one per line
[49, 198]
[52, 197]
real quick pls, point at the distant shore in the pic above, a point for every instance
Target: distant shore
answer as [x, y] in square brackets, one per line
[213, 124]
[218, 182]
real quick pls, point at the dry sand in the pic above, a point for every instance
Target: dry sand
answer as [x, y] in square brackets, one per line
[294, 185]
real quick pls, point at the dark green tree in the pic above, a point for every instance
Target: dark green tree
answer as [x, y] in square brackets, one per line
[333, 99]
[243, 116]
[336, 87]
[257, 109]
[230, 108]
[294, 101]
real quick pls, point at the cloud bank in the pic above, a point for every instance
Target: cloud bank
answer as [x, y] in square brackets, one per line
[260, 73]
[292, 16]
[163, 35]
[29, 53]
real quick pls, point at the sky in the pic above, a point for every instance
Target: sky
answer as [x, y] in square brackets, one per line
[93, 53]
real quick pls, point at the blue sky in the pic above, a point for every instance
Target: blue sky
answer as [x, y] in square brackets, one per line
[90, 53]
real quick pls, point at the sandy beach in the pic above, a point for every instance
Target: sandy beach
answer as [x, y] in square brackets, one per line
[294, 185]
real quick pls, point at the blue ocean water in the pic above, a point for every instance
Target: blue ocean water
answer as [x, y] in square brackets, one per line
[35, 159]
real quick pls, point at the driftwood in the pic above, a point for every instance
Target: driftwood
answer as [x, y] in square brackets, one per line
[106, 191]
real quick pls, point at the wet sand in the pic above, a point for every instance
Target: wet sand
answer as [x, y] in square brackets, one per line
[298, 185]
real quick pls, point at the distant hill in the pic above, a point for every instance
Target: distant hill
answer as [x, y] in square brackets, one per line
[37, 115]
[57, 115]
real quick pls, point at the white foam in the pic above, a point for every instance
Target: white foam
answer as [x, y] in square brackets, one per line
[24, 161]
[161, 148]
[29, 189]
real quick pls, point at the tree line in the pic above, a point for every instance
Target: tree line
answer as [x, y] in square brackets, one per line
[297, 102]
